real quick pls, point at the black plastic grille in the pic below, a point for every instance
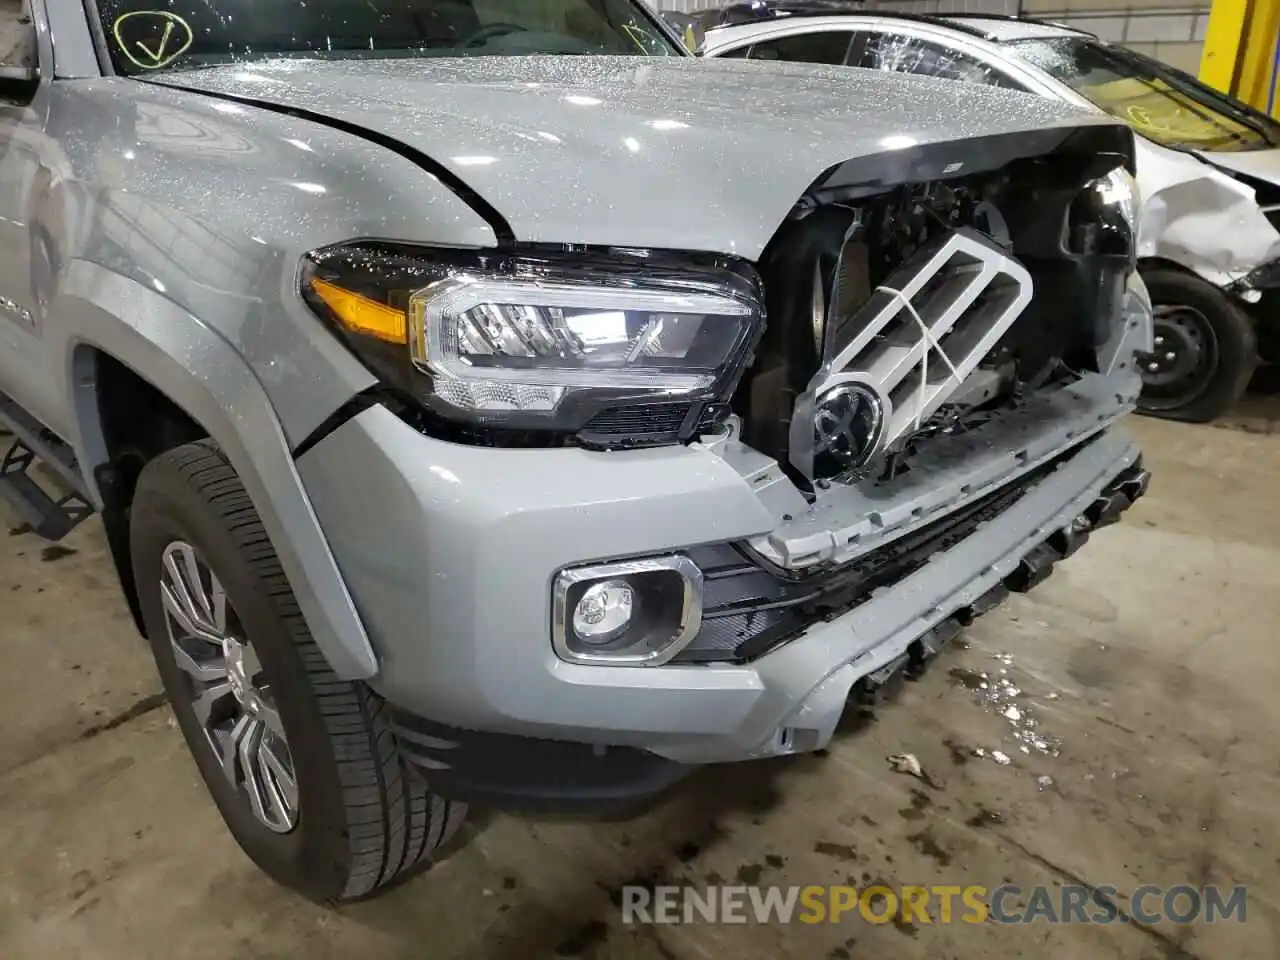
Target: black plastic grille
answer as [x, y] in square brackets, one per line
[655, 422]
[651, 424]
[749, 609]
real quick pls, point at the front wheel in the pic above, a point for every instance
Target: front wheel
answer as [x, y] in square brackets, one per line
[299, 762]
[1205, 349]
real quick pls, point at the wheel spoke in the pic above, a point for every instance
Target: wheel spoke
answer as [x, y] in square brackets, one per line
[229, 752]
[230, 698]
[202, 671]
[250, 750]
[282, 788]
[177, 565]
[185, 597]
[270, 717]
[218, 595]
[207, 699]
[185, 559]
[252, 665]
[179, 608]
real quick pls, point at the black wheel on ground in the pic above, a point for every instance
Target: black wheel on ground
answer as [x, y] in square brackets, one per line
[1205, 349]
[300, 763]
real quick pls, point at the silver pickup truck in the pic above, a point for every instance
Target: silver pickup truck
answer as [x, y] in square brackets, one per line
[487, 402]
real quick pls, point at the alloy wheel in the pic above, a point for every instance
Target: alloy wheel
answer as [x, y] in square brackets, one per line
[226, 689]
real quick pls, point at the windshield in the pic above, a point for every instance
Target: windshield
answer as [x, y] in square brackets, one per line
[147, 35]
[1163, 104]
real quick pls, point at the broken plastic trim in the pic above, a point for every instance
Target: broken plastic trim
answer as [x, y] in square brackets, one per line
[1035, 568]
[751, 608]
[1264, 277]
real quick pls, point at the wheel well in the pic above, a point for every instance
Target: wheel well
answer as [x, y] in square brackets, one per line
[138, 423]
[1160, 263]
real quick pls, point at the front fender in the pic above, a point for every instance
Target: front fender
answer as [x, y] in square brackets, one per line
[196, 368]
[213, 205]
[1201, 218]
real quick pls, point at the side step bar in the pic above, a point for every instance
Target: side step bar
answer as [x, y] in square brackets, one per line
[48, 517]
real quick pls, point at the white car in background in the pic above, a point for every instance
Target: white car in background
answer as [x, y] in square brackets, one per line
[1208, 168]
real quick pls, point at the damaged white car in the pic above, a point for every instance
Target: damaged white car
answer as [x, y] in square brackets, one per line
[1208, 170]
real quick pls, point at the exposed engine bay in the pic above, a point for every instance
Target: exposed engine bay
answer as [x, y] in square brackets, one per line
[883, 292]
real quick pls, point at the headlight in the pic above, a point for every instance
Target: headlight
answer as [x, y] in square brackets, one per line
[549, 343]
[493, 345]
[1104, 217]
[1119, 190]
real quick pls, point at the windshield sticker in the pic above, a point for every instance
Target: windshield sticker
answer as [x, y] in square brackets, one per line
[1165, 115]
[1142, 117]
[151, 39]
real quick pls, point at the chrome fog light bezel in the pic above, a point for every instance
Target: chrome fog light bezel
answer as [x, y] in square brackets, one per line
[631, 571]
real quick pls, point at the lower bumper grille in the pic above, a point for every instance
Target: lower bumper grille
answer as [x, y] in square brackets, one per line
[749, 609]
[651, 424]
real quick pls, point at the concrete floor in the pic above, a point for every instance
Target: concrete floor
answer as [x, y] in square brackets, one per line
[1148, 663]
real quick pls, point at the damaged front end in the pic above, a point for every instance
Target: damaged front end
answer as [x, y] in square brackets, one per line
[936, 349]
[1204, 213]
[903, 310]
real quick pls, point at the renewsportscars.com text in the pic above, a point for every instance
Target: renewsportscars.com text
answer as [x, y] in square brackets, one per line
[937, 903]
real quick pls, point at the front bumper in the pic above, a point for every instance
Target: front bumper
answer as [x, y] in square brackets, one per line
[450, 552]
[540, 774]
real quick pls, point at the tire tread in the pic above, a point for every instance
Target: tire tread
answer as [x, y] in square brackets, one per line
[394, 823]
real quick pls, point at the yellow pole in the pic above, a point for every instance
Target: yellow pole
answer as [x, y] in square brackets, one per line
[1239, 48]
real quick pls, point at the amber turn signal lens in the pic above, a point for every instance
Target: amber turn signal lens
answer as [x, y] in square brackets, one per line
[362, 315]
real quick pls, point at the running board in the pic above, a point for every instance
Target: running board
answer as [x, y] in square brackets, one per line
[48, 517]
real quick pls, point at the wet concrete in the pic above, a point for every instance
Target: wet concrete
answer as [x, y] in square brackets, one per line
[1132, 696]
[12, 28]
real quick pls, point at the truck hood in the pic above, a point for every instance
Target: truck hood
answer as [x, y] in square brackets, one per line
[638, 152]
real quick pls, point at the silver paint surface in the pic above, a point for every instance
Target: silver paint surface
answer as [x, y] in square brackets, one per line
[165, 228]
[659, 152]
[212, 205]
[428, 534]
[1192, 214]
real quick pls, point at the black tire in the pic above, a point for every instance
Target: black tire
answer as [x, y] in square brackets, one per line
[364, 819]
[1198, 321]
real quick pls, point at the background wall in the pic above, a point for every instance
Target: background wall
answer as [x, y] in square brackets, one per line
[1172, 30]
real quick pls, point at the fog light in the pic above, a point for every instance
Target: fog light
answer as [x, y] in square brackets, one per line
[604, 612]
[632, 613]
